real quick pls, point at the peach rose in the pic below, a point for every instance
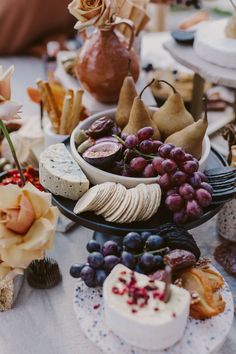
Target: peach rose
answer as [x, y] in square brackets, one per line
[27, 226]
[8, 108]
[90, 12]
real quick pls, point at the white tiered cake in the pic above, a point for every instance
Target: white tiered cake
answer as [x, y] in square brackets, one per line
[212, 45]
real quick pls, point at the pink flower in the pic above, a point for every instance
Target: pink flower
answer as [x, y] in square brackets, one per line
[19, 219]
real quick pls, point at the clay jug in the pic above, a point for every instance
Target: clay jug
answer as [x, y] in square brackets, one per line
[103, 62]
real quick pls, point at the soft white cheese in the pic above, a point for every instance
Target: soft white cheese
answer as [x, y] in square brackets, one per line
[155, 326]
[60, 174]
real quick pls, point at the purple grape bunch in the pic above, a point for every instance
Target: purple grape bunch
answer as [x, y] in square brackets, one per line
[185, 189]
[142, 252]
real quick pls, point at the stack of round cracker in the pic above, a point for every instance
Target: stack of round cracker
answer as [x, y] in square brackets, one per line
[118, 204]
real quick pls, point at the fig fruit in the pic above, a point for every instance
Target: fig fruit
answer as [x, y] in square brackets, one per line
[102, 154]
[103, 126]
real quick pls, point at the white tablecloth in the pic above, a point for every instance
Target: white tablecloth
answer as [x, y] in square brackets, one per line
[43, 322]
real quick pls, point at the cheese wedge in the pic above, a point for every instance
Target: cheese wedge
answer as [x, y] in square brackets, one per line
[60, 174]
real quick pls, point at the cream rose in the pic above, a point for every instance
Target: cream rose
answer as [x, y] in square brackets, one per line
[29, 211]
[90, 12]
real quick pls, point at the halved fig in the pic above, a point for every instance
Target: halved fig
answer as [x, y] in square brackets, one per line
[102, 154]
[106, 138]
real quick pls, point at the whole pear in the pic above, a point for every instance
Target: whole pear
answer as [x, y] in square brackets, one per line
[140, 117]
[127, 95]
[190, 139]
[172, 116]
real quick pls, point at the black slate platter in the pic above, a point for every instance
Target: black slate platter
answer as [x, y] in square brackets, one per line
[99, 224]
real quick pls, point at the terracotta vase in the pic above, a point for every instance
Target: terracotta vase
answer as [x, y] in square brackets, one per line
[103, 62]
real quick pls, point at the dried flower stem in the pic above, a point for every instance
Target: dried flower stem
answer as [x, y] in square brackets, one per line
[7, 136]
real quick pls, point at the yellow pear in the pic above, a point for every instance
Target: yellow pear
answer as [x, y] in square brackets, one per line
[140, 117]
[172, 116]
[127, 95]
[190, 139]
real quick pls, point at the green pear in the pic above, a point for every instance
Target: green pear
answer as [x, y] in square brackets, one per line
[172, 116]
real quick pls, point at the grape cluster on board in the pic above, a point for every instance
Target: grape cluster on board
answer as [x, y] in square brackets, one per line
[140, 252]
[186, 191]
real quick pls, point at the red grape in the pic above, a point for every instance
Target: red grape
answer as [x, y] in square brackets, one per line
[193, 209]
[149, 171]
[196, 161]
[155, 145]
[146, 146]
[207, 187]
[180, 216]
[203, 176]
[178, 178]
[169, 166]
[203, 197]
[190, 167]
[138, 164]
[129, 154]
[156, 163]
[177, 154]
[186, 191]
[188, 157]
[145, 133]
[131, 141]
[171, 191]
[165, 181]
[165, 149]
[124, 135]
[174, 202]
[195, 180]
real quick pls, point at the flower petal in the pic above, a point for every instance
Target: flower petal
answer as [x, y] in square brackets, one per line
[8, 110]
[41, 201]
[39, 236]
[5, 83]
[9, 196]
[18, 258]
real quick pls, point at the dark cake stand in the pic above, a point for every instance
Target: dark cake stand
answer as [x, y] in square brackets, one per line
[104, 230]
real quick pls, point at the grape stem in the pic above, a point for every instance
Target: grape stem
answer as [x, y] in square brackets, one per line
[152, 252]
[150, 157]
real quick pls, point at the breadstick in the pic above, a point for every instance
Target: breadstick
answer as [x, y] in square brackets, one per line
[77, 109]
[53, 106]
[49, 104]
[69, 118]
[66, 111]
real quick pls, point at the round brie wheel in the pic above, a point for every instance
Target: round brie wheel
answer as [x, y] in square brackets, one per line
[203, 337]
[212, 45]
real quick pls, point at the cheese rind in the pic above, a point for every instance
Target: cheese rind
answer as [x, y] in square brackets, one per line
[60, 174]
[155, 326]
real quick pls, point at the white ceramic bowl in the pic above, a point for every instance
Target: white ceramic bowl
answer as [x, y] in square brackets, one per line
[97, 176]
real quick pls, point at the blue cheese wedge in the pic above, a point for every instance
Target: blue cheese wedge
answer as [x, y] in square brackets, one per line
[60, 174]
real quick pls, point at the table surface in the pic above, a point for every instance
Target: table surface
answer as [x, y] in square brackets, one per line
[43, 321]
[186, 56]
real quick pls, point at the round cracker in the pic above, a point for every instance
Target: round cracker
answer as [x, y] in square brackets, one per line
[140, 197]
[117, 200]
[121, 208]
[107, 194]
[130, 208]
[86, 202]
[145, 202]
[157, 200]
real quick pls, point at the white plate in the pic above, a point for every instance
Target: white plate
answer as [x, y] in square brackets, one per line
[201, 337]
